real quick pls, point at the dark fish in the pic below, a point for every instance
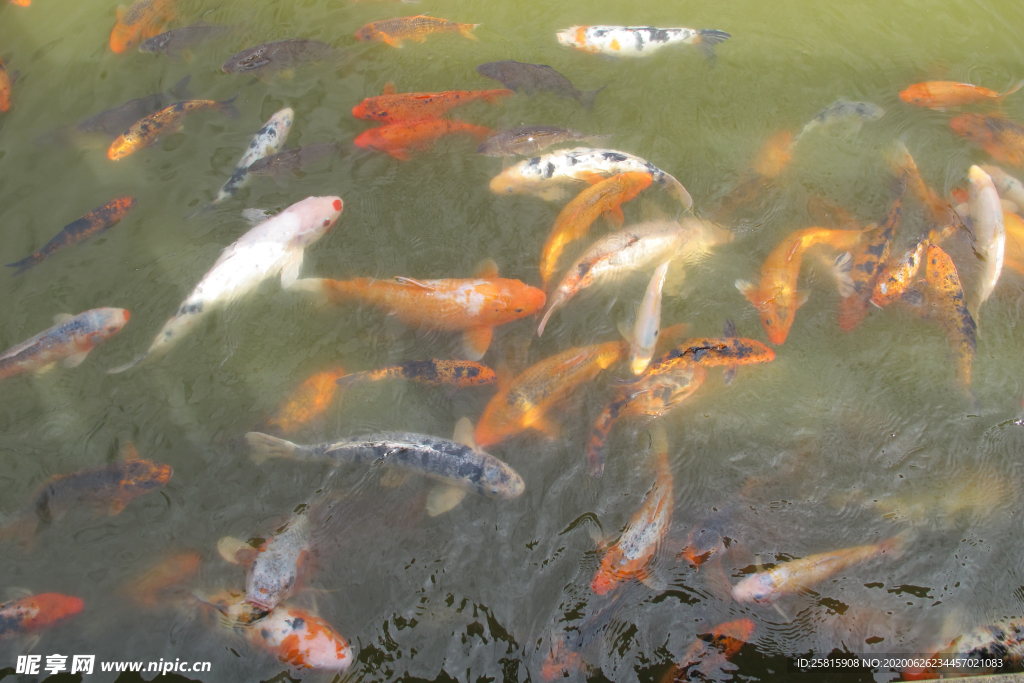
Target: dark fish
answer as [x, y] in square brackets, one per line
[292, 160]
[173, 43]
[528, 140]
[92, 223]
[275, 56]
[115, 121]
[532, 78]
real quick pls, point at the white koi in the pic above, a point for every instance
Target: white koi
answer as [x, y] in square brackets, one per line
[989, 234]
[648, 323]
[638, 41]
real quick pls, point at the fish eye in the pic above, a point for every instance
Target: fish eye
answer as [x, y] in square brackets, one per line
[767, 321]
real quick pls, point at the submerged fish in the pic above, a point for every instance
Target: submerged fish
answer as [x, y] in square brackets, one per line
[545, 175]
[147, 131]
[942, 94]
[989, 235]
[267, 141]
[456, 373]
[302, 639]
[106, 489]
[400, 138]
[528, 140]
[638, 41]
[292, 160]
[1000, 137]
[69, 341]
[448, 462]
[394, 31]
[21, 3]
[393, 106]
[631, 556]
[946, 298]
[898, 275]
[523, 403]
[843, 111]
[5, 88]
[573, 222]
[476, 306]
[1007, 186]
[279, 563]
[159, 583]
[174, 43]
[789, 577]
[704, 658]
[92, 223]
[115, 121]
[310, 400]
[36, 613]
[710, 352]
[143, 19]
[275, 246]
[903, 162]
[648, 323]
[271, 57]
[533, 78]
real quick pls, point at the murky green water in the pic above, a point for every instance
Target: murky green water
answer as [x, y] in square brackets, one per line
[482, 592]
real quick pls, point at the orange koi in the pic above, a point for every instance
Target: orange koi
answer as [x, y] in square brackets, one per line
[21, 3]
[523, 403]
[402, 137]
[946, 297]
[943, 94]
[456, 373]
[394, 31]
[574, 221]
[5, 88]
[475, 306]
[36, 613]
[308, 402]
[141, 21]
[710, 651]
[391, 106]
[154, 586]
[789, 577]
[146, 132]
[1002, 138]
[711, 352]
[776, 154]
[776, 297]
[938, 208]
[630, 557]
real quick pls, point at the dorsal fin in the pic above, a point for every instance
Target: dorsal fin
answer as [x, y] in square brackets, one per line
[62, 318]
[486, 269]
[389, 88]
[128, 452]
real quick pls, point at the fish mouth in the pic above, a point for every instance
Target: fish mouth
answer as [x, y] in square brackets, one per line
[259, 603]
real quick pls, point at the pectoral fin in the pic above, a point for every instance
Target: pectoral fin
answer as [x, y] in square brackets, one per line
[475, 341]
[61, 318]
[128, 452]
[486, 269]
[615, 216]
[749, 290]
[235, 550]
[74, 360]
[443, 498]
[801, 297]
[464, 433]
[393, 478]
[548, 427]
[290, 271]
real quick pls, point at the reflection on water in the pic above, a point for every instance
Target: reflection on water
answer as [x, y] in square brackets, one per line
[844, 440]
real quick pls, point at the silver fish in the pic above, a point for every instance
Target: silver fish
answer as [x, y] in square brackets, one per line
[534, 78]
[528, 140]
[843, 110]
[115, 121]
[283, 54]
[292, 160]
[173, 43]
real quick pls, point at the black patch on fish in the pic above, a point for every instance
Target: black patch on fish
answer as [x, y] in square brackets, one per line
[420, 369]
[614, 156]
[659, 35]
[190, 309]
[549, 170]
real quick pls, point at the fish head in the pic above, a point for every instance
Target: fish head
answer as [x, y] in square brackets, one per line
[915, 94]
[367, 33]
[123, 37]
[758, 588]
[977, 182]
[361, 110]
[156, 44]
[504, 482]
[574, 36]
[316, 216]
[972, 127]
[105, 323]
[524, 300]
[141, 476]
[513, 181]
[608, 575]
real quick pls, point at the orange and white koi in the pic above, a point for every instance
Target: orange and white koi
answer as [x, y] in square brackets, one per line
[69, 341]
[309, 400]
[789, 577]
[394, 31]
[1000, 137]
[36, 613]
[989, 235]
[631, 556]
[395, 106]
[401, 138]
[432, 372]
[638, 41]
[146, 132]
[776, 297]
[524, 402]
[943, 94]
[475, 306]
[709, 651]
[946, 298]
[141, 21]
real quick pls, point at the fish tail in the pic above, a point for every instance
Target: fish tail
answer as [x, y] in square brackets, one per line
[228, 108]
[555, 305]
[707, 39]
[467, 30]
[25, 263]
[180, 89]
[22, 530]
[1014, 89]
[684, 196]
[353, 379]
[265, 447]
[598, 436]
[129, 365]
[586, 97]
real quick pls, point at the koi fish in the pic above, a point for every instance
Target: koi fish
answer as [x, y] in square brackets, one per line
[92, 223]
[394, 31]
[706, 538]
[106, 489]
[21, 3]
[523, 403]
[943, 94]
[843, 111]
[776, 297]
[5, 88]
[152, 588]
[710, 651]
[69, 341]
[634, 248]
[775, 156]
[902, 162]
[986, 649]
[173, 44]
[456, 373]
[638, 41]
[946, 297]
[36, 613]
[275, 246]
[271, 57]
[400, 138]
[475, 306]
[989, 235]
[302, 639]
[115, 121]
[528, 140]
[545, 175]
[1014, 257]
[631, 556]
[292, 160]
[868, 261]
[896, 277]
[1002, 138]
[279, 563]
[392, 106]
[533, 78]
[789, 577]
[648, 323]
[1007, 186]
[267, 141]
[574, 221]
[146, 132]
[711, 352]
[310, 400]
[143, 19]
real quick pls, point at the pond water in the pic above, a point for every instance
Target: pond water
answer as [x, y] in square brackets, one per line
[845, 439]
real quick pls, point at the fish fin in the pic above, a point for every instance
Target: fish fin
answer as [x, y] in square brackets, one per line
[841, 270]
[586, 99]
[547, 426]
[115, 507]
[706, 41]
[1013, 89]
[615, 216]
[782, 614]
[392, 477]
[127, 366]
[265, 447]
[486, 269]
[235, 550]
[467, 30]
[801, 297]
[17, 593]
[652, 577]
[670, 337]
[74, 360]
[30, 642]
[729, 329]
[180, 89]
[44, 369]
[716, 580]
[24, 264]
[441, 499]
[749, 290]
[389, 88]
[129, 453]
[410, 281]
[22, 530]
[290, 271]
[393, 42]
[255, 216]
[119, 11]
[400, 154]
[228, 108]
[62, 318]
[475, 341]
[625, 327]
[464, 433]
[591, 178]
